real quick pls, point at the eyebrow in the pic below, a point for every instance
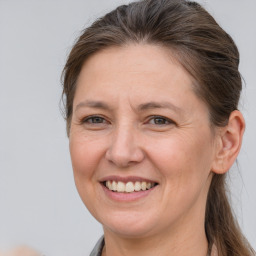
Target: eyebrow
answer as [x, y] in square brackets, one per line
[142, 107]
[93, 104]
[163, 104]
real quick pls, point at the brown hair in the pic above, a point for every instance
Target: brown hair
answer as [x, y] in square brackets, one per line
[206, 51]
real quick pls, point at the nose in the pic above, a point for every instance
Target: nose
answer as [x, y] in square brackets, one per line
[125, 149]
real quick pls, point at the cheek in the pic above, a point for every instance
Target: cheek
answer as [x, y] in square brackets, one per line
[185, 166]
[182, 156]
[85, 155]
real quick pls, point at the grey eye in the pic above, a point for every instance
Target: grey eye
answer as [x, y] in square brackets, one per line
[95, 120]
[159, 120]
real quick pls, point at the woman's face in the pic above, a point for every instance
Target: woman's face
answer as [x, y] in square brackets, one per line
[140, 142]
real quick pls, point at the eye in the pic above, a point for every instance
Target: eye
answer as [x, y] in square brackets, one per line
[160, 120]
[94, 120]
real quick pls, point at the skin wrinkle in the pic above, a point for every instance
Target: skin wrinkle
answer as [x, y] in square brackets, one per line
[178, 156]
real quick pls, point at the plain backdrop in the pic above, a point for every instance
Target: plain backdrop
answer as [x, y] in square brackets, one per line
[39, 204]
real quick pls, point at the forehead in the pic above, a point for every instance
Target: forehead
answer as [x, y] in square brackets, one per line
[132, 66]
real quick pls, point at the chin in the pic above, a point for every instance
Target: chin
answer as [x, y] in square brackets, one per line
[130, 225]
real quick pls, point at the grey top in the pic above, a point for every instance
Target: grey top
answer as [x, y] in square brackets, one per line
[97, 250]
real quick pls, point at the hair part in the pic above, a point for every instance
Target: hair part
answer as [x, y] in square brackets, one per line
[206, 52]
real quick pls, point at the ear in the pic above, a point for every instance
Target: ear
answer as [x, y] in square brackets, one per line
[229, 141]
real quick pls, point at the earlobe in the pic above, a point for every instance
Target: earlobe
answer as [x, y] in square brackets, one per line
[229, 143]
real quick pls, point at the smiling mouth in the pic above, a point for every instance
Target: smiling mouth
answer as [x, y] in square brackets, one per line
[128, 187]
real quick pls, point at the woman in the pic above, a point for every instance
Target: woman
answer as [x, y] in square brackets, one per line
[151, 92]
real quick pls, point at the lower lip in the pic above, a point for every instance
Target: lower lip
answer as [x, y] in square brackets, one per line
[126, 197]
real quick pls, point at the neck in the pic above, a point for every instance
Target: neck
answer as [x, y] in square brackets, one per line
[174, 243]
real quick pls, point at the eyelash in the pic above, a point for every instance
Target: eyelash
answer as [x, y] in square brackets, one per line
[87, 120]
[96, 120]
[167, 121]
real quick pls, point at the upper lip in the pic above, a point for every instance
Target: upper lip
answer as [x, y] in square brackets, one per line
[126, 179]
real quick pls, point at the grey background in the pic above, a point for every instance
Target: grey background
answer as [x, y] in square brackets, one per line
[39, 205]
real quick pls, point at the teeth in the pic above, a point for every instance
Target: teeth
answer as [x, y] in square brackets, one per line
[143, 185]
[137, 186]
[128, 187]
[120, 187]
[148, 185]
[114, 186]
[109, 185]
